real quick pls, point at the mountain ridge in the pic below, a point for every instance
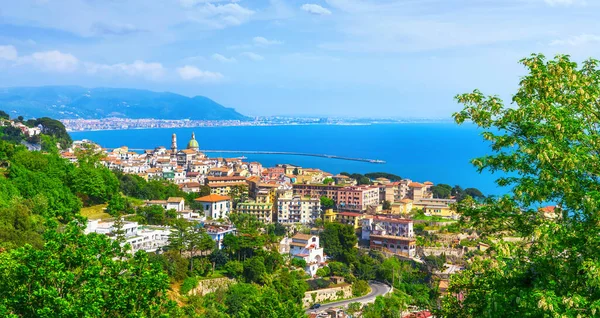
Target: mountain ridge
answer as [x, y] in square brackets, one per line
[72, 102]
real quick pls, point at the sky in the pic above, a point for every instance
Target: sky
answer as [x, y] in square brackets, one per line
[354, 58]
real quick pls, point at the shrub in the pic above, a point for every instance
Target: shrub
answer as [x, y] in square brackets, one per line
[188, 284]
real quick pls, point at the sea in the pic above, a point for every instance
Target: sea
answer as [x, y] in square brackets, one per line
[436, 152]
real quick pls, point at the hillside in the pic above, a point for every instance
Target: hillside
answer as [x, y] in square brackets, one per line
[64, 102]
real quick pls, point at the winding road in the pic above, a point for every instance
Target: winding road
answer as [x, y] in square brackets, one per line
[377, 289]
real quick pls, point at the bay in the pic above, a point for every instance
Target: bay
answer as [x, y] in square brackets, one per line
[436, 152]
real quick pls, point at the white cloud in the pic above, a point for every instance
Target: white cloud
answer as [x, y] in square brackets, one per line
[577, 40]
[222, 58]
[137, 68]
[220, 15]
[261, 41]
[55, 61]
[189, 72]
[565, 3]
[101, 28]
[253, 56]
[8, 52]
[315, 9]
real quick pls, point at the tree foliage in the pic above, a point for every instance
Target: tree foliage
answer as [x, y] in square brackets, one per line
[548, 147]
[80, 275]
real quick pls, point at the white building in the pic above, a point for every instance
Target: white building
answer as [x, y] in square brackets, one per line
[139, 237]
[297, 209]
[215, 206]
[175, 203]
[218, 232]
[392, 235]
[306, 247]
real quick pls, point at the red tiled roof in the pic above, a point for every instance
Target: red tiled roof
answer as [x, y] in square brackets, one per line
[213, 198]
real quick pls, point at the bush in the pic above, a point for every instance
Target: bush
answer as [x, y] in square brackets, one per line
[297, 262]
[323, 272]
[234, 269]
[360, 288]
[188, 284]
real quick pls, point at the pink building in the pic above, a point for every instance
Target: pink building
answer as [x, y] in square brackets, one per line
[275, 172]
[358, 198]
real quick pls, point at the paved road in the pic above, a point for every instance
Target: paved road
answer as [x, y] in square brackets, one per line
[377, 289]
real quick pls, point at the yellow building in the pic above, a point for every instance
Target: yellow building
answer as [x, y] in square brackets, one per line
[350, 218]
[404, 206]
[437, 207]
[329, 215]
[262, 211]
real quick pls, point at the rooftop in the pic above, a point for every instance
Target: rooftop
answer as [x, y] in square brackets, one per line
[213, 198]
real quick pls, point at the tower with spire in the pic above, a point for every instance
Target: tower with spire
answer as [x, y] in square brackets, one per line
[174, 144]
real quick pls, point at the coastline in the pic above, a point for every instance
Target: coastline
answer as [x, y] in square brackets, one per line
[268, 125]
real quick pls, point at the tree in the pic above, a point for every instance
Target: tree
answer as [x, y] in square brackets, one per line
[4, 115]
[547, 146]
[254, 269]
[474, 193]
[298, 262]
[441, 191]
[387, 205]
[339, 240]
[295, 172]
[197, 240]
[234, 269]
[328, 181]
[80, 275]
[178, 235]
[327, 203]
[238, 193]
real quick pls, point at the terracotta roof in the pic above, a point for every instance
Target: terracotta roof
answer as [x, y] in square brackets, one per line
[213, 198]
[548, 209]
[301, 236]
[415, 185]
[175, 199]
[406, 201]
[298, 244]
[428, 183]
[352, 214]
[192, 184]
[231, 178]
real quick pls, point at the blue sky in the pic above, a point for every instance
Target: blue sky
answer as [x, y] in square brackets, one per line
[385, 58]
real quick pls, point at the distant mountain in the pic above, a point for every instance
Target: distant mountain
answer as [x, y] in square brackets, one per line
[64, 102]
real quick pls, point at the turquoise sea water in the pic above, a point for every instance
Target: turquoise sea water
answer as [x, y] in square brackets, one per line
[437, 152]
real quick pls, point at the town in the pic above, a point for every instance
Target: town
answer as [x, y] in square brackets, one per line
[301, 200]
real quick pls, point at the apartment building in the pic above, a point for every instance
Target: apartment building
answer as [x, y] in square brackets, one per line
[297, 209]
[317, 190]
[262, 211]
[357, 198]
[389, 234]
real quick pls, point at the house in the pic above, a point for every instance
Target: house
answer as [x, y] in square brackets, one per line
[215, 206]
[175, 203]
[306, 247]
[218, 232]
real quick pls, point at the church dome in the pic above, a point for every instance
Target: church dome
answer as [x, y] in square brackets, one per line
[193, 144]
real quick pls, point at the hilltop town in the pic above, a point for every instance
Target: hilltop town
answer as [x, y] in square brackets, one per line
[387, 216]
